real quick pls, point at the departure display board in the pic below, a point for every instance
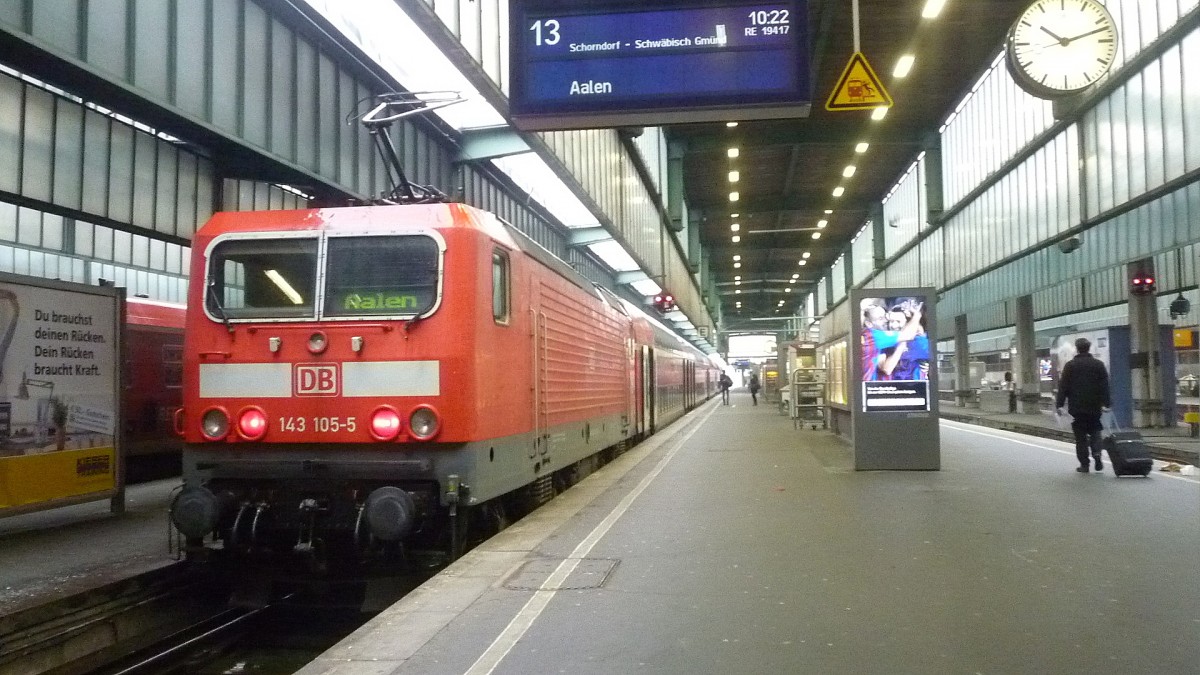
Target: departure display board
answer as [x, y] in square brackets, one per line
[587, 65]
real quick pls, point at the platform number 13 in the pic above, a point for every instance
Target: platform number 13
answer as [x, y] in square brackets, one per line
[545, 32]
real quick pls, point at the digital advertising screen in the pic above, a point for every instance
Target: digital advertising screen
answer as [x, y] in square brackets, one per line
[895, 353]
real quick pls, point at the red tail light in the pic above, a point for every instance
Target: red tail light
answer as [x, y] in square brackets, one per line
[385, 424]
[252, 423]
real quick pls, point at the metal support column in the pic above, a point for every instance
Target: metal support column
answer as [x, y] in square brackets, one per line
[1145, 359]
[1028, 377]
[964, 395]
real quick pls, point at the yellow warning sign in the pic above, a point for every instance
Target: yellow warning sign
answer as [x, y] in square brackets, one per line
[859, 88]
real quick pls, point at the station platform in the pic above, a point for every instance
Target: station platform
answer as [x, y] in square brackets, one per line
[1174, 444]
[732, 542]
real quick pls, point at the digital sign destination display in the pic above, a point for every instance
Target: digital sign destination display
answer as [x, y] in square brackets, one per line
[575, 67]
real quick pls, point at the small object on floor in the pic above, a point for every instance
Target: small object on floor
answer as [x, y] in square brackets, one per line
[1171, 468]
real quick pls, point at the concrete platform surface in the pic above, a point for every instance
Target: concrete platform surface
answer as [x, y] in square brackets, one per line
[733, 543]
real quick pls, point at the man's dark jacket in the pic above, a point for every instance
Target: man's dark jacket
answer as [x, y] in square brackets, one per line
[1084, 383]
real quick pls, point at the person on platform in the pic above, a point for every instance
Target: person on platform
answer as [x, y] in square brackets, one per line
[1083, 387]
[754, 387]
[724, 383]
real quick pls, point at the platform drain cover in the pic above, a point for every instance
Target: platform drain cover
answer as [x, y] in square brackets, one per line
[534, 575]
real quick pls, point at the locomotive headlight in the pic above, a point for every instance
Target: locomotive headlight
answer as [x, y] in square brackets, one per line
[385, 423]
[214, 424]
[252, 423]
[424, 423]
[317, 342]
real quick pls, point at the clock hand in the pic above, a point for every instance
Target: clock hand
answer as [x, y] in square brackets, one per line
[1083, 35]
[1061, 41]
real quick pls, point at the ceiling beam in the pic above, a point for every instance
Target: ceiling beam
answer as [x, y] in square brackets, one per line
[723, 206]
[826, 133]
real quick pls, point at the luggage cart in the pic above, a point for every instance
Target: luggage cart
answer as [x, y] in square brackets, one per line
[808, 398]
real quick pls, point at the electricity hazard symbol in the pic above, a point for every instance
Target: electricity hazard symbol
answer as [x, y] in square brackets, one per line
[858, 88]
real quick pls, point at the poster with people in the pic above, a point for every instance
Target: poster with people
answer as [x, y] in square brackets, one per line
[895, 353]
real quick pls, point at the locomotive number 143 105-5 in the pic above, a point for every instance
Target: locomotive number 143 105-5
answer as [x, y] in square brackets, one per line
[319, 424]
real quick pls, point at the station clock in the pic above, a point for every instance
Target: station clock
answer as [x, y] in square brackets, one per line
[1060, 47]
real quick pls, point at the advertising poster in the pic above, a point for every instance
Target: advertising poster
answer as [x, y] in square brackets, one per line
[892, 365]
[58, 392]
[895, 354]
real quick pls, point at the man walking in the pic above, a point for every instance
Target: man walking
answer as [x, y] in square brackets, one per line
[1084, 384]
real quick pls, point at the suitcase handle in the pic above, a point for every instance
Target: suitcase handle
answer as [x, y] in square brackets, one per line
[1108, 422]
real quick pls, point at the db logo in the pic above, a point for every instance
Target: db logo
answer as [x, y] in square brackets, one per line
[317, 379]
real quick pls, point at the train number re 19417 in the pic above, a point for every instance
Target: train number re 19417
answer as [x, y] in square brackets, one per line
[320, 424]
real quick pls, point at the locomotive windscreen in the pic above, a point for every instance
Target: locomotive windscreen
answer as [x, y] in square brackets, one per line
[262, 278]
[381, 276]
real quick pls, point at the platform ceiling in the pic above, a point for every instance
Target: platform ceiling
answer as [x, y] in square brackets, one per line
[789, 168]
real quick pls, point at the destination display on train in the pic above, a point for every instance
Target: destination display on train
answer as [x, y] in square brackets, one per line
[571, 70]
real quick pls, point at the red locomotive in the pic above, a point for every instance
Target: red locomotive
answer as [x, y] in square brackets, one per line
[362, 379]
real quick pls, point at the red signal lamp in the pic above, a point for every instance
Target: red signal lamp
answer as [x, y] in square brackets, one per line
[1142, 284]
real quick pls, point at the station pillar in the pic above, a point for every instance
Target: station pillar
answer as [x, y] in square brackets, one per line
[1145, 358]
[964, 394]
[1027, 375]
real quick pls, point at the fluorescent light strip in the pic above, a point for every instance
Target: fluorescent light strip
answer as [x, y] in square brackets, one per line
[284, 286]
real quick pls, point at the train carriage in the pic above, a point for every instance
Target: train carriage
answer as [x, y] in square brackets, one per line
[359, 379]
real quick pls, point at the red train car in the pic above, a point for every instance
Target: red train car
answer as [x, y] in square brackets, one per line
[363, 378]
[153, 362]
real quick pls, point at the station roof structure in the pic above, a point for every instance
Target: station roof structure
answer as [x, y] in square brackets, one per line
[789, 169]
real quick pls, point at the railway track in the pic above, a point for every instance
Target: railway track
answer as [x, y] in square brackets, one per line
[77, 634]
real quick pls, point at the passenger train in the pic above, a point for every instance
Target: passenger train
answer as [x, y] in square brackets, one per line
[153, 365]
[365, 382]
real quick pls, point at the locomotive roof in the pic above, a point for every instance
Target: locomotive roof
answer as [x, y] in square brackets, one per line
[363, 219]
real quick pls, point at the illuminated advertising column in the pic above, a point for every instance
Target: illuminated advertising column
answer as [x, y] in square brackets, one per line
[893, 374]
[60, 346]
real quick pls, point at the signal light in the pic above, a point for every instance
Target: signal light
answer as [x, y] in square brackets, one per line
[664, 302]
[1142, 283]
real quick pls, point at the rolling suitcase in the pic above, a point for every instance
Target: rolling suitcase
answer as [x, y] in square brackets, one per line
[1127, 452]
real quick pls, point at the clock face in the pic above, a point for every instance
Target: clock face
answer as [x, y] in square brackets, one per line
[1059, 47]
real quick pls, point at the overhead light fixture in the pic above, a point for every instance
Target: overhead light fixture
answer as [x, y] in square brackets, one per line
[734, 176]
[738, 292]
[879, 113]
[828, 211]
[848, 172]
[806, 255]
[795, 276]
[734, 215]
[734, 227]
[733, 153]
[731, 124]
[737, 266]
[932, 8]
[839, 191]
[733, 196]
[861, 148]
[736, 239]
[786, 289]
[737, 278]
[803, 262]
[737, 258]
[816, 235]
[792, 280]
[286, 288]
[822, 223]
[904, 66]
